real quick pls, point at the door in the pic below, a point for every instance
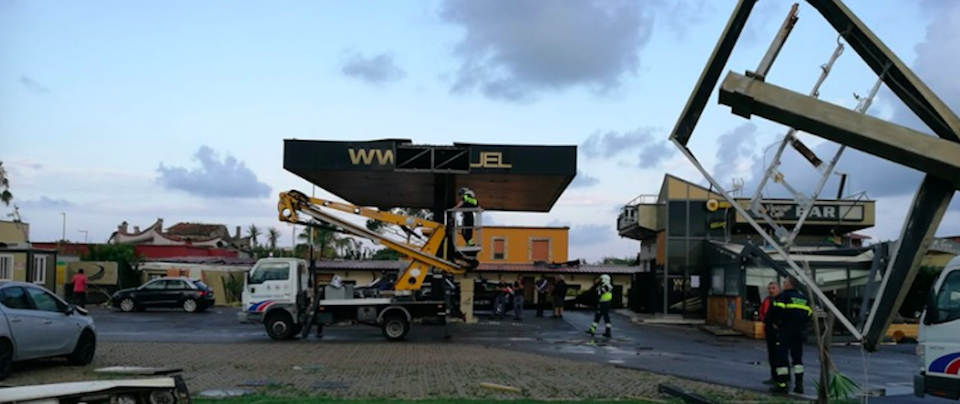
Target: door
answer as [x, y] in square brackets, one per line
[941, 327]
[174, 292]
[25, 325]
[151, 293]
[271, 282]
[60, 332]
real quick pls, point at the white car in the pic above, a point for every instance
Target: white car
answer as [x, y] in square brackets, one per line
[35, 323]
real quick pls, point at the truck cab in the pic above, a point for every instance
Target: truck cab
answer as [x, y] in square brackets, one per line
[939, 338]
[276, 293]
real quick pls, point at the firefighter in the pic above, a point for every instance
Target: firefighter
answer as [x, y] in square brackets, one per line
[605, 292]
[790, 313]
[467, 199]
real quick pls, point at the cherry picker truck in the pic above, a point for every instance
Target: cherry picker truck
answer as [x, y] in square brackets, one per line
[283, 295]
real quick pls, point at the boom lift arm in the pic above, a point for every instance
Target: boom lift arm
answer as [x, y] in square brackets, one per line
[293, 203]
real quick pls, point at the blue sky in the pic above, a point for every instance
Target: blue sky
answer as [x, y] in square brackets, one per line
[96, 97]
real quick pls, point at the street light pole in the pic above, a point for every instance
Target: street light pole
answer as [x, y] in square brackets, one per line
[84, 235]
[63, 234]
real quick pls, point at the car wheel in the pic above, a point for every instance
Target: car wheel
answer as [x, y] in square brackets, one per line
[190, 306]
[279, 325]
[6, 358]
[395, 328]
[85, 350]
[127, 305]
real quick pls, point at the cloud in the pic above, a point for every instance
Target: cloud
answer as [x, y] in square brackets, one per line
[610, 144]
[583, 181]
[378, 69]
[34, 86]
[732, 146]
[587, 234]
[513, 49]
[45, 202]
[215, 178]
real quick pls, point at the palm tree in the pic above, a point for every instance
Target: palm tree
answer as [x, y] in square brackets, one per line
[273, 234]
[324, 241]
[254, 232]
[5, 195]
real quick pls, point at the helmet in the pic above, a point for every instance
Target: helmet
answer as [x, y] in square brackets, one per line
[605, 279]
[464, 190]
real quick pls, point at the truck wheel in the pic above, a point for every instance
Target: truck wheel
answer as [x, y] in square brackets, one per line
[395, 328]
[279, 326]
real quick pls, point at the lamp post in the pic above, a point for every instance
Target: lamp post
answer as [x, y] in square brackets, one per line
[63, 234]
[84, 235]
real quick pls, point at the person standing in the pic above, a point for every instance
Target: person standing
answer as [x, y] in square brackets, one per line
[542, 286]
[467, 199]
[518, 298]
[80, 289]
[769, 331]
[559, 297]
[789, 314]
[605, 293]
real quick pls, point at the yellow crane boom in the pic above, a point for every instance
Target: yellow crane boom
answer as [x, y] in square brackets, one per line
[422, 258]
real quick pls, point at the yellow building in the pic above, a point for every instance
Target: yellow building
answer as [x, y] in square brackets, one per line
[19, 261]
[524, 245]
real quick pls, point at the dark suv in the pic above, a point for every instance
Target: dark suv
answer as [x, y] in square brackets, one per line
[189, 294]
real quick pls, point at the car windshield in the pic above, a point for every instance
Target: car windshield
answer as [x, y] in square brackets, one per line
[276, 271]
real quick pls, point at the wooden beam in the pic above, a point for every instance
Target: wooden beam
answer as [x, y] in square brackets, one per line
[711, 72]
[896, 143]
[896, 75]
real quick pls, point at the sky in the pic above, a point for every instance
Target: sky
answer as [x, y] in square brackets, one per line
[120, 110]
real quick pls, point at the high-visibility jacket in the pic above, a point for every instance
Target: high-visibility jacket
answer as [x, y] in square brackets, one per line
[790, 311]
[606, 292]
[470, 200]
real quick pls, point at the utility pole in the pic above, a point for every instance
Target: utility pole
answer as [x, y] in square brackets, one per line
[63, 234]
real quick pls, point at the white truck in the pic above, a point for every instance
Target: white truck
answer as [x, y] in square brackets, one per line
[280, 292]
[939, 342]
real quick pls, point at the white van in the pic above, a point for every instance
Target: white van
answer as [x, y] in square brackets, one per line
[939, 347]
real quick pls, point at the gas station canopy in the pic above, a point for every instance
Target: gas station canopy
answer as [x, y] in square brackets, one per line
[396, 173]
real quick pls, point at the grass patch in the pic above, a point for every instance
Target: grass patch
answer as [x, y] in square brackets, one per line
[259, 399]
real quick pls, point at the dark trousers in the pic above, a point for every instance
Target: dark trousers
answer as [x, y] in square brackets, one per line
[80, 299]
[770, 335]
[468, 222]
[603, 311]
[789, 352]
[541, 303]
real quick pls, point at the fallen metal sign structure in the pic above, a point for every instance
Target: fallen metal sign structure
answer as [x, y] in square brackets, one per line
[167, 390]
[939, 159]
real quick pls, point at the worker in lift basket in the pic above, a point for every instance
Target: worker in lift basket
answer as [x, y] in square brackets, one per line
[467, 199]
[790, 313]
[605, 292]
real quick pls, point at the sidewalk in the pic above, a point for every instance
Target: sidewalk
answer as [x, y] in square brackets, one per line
[688, 352]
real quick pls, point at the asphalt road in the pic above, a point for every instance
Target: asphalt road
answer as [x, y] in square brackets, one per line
[680, 351]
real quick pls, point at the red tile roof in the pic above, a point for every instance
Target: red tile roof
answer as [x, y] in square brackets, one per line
[195, 229]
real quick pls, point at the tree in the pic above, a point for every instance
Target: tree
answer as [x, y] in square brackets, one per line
[5, 195]
[620, 261]
[273, 234]
[385, 254]
[124, 255]
[254, 232]
[324, 242]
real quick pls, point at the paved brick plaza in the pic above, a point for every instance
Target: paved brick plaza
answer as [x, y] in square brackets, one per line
[387, 370]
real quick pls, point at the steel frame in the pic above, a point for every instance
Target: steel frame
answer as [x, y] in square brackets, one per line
[935, 191]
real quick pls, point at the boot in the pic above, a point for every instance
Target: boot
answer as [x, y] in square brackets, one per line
[798, 383]
[780, 386]
[606, 333]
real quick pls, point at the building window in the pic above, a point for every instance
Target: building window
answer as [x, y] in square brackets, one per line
[540, 249]
[499, 248]
[39, 269]
[6, 267]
